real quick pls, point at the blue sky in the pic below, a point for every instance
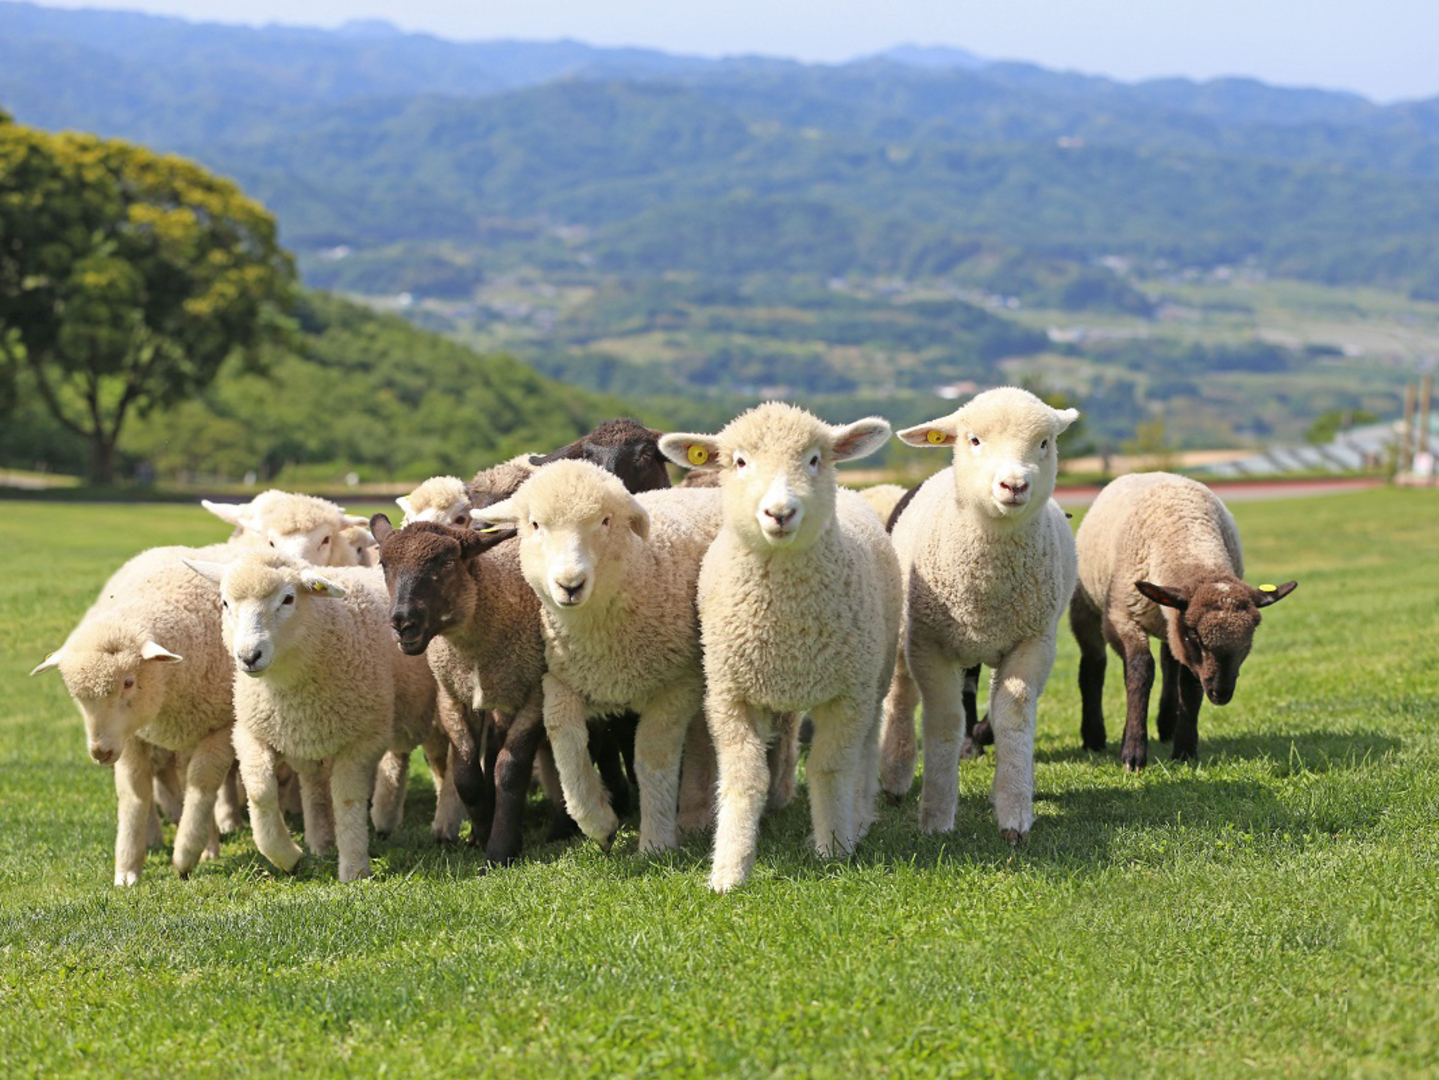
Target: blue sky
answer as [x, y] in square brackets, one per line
[1384, 49]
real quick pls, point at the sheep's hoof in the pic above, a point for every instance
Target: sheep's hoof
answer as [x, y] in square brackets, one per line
[1015, 837]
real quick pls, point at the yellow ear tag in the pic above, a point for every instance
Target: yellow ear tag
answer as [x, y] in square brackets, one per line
[697, 454]
[316, 587]
[935, 436]
[1269, 588]
[490, 529]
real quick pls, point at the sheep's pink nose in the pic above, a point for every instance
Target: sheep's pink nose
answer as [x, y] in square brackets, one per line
[1014, 487]
[781, 516]
[101, 755]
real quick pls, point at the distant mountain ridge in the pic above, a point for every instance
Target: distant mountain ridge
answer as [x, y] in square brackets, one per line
[588, 160]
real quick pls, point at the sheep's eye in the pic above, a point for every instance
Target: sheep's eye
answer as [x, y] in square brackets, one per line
[814, 461]
[460, 521]
[974, 441]
[325, 541]
[272, 543]
[535, 525]
[739, 462]
[605, 523]
[289, 599]
[129, 682]
[225, 605]
[1044, 444]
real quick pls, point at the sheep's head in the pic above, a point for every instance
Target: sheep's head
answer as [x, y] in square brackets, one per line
[301, 527]
[443, 499]
[776, 467]
[260, 596]
[576, 523]
[1005, 459]
[427, 573]
[624, 447]
[117, 680]
[1211, 628]
[358, 547]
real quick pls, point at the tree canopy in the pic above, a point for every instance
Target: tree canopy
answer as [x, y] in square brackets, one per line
[127, 278]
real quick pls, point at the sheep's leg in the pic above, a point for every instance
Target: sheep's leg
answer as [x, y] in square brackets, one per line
[291, 801]
[449, 809]
[228, 802]
[783, 755]
[739, 736]
[898, 750]
[941, 691]
[208, 767]
[1138, 681]
[316, 804]
[659, 746]
[1088, 628]
[1014, 690]
[352, 778]
[605, 751]
[565, 724]
[134, 789]
[977, 733]
[1186, 724]
[387, 806]
[166, 788]
[513, 767]
[697, 778]
[262, 789]
[1169, 682]
[833, 771]
[562, 826]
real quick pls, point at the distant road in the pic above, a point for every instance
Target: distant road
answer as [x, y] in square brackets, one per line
[1248, 490]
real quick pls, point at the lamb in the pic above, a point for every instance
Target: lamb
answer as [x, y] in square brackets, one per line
[615, 574]
[624, 447]
[1159, 556]
[318, 683]
[799, 611]
[989, 564]
[147, 669]
[357, 547]
[458, 597]
[445, 499]
[303, 527]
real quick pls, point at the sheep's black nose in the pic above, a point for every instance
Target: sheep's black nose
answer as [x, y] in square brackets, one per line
[250, 659]
[571, 591]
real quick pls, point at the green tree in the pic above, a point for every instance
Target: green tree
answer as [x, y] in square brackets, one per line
[127, 278]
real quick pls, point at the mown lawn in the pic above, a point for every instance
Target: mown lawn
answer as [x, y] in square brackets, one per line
[1272, 911]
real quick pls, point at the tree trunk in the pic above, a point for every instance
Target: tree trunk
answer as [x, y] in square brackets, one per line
[102, 459]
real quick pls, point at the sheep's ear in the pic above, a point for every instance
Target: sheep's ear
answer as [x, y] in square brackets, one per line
[403, 502]
[640, 521]
[151, 651]
[317, 584]
[504, 512]
[380, 526]
[236, 514]
[1162, 596]
[574, 450]
[1272, 594]
[210, 571]
[1064, 417]
[859, 439]
[53, 660]
[354, 519]
[475, 542]
[939, 432]
[690, 451]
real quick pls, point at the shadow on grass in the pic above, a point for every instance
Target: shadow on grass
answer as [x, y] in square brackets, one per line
[1317, 751]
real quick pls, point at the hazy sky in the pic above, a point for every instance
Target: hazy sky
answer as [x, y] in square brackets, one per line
[1384, 49]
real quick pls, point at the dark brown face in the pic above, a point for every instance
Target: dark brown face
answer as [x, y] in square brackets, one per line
[428, 576]
[624, 447]
[1213, 628]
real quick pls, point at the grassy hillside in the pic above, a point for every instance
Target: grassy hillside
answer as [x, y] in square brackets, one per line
[1269, 911]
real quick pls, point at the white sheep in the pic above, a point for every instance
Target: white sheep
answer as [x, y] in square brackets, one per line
[883, 498]
[147, 669]
[316, 685]
[443, 499]
[799, 611]
[615, 574]
[303, 527]
[989, 565]
[1159, 556]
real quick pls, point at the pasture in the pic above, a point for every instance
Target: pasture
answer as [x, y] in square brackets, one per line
[1273, 910]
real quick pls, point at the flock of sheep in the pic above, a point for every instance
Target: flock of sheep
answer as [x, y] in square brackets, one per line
[574, 616]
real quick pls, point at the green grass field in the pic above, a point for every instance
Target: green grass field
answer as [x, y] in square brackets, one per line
[1272, 911]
